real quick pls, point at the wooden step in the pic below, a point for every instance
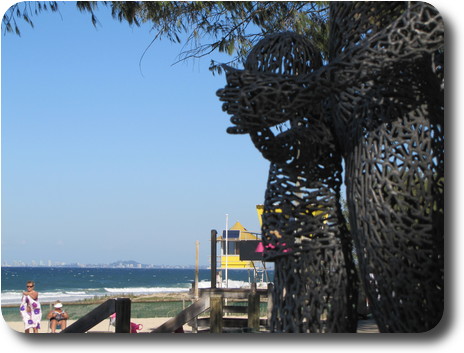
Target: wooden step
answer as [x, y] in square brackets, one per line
[228, 322]
[235, 309]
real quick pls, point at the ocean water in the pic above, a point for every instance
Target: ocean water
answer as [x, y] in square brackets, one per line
[74, 284]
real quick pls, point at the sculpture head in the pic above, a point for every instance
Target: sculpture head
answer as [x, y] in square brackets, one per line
[286, 53]
[247, 97]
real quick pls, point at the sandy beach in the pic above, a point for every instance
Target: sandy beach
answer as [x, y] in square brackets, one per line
[104, 327]
[364, 326]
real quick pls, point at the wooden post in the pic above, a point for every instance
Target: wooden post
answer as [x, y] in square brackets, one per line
[213, 257]
[193, 301]
[197, 251]
[270, 291]
[253, 309]
[216, 314]
[195, 285]
[123, 314]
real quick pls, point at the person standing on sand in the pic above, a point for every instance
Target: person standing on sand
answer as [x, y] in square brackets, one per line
[30, 308]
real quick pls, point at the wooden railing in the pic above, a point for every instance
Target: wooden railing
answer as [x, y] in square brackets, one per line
[218, 322]
[210, 298]
[184, 316]
[120, 306]
[213, 299]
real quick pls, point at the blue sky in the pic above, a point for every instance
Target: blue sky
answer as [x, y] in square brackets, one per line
[94, 153]
[105, 160]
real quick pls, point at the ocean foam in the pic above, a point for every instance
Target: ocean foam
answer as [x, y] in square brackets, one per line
[45, 297]
[71, 296]
[144, 290]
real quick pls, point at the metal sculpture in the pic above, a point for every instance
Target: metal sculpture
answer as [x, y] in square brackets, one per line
[378, 104]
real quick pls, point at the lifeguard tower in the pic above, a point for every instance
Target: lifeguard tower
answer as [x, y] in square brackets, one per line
[241, 249]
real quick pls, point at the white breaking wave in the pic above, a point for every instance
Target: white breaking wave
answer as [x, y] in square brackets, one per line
[144, 290]
[14, 297]
[45, 297]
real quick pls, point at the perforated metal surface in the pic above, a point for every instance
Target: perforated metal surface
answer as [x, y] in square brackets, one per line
[377, 104]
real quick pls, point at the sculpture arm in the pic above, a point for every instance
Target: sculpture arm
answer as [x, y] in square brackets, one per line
[259, 99]
[417, 32]
[281, 149]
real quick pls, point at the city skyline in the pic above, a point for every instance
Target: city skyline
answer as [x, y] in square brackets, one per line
[116, 264]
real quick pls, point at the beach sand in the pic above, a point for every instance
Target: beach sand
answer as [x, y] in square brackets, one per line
[364, 326]
[148, 325]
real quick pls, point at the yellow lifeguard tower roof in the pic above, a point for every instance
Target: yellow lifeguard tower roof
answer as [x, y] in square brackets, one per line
[244, 233]
[235, 235]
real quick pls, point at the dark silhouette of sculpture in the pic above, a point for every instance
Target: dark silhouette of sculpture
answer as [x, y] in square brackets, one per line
[378, 105]
[302, 222]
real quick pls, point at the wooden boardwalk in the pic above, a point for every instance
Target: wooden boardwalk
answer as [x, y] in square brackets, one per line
[367, 326]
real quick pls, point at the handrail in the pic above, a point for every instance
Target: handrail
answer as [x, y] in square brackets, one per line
[232, 293]
[212, 299]
[184, 316]
[120, 306]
